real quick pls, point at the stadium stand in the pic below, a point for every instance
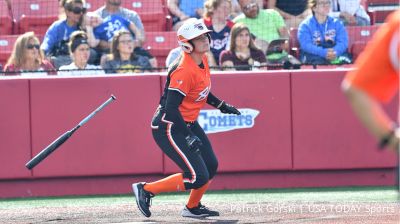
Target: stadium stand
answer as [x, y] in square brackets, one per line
[5, 19]
[34, 15]
[382, 8]
[359, 36]
[294, 45]
[93, 5]
[160, 43]
[152, 12]
[6, 47]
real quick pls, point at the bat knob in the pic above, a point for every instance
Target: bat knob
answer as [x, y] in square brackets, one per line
[113, 97]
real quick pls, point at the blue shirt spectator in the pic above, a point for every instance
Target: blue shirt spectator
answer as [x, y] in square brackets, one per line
[322, 38]
[56, 37]
[110, 25]
[182, 10]
[130, 15]
[189, 7]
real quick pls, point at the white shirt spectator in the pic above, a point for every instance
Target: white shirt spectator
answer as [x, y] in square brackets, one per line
[73, 70]
[353, 8]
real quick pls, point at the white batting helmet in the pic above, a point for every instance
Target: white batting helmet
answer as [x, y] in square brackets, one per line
[191, 29]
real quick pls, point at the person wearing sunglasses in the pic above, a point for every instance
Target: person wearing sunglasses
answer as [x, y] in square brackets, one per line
[55, 43]
[323, 39]
[27, 59]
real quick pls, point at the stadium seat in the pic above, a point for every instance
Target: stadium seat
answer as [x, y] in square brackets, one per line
[152, 13]
[382, 8]
[6, 47]
[5, 19]
[294, 45]
[34, 15]
[359, 36]
[159, 44]
[93, 5]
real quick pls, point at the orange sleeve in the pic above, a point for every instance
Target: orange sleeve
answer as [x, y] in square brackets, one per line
[180, 81]
[374, 71]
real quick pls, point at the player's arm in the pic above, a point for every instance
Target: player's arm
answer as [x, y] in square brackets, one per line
[221, 105]
[172, 113]
[372, 115]
[139, 34]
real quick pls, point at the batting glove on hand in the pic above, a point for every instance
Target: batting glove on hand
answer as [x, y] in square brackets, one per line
[194, 143]
[228, 109]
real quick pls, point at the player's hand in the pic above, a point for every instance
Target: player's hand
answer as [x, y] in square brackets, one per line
[194, 143]
[228, 109]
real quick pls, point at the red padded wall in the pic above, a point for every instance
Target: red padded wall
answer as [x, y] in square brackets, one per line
[116, 141]
[267, 145]
[15, 139]
[326, 133]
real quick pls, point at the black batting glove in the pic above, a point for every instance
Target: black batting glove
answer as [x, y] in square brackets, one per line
[194, 143]
[228, 109]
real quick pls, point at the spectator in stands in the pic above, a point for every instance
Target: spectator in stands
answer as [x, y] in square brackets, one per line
[99, 29]
[216, 19]
[182, 10]
[350, 12]
[113, 7]
[322, 39]
[293, 12]
[122, 58]
[80, 53]
[27, 58]
[266, 25]
[242, 53]
[57, 36]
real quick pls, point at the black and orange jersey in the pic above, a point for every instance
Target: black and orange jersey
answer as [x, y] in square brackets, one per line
[193, 82]
[377, 68]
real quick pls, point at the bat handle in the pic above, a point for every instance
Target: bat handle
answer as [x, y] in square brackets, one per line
[86, 119]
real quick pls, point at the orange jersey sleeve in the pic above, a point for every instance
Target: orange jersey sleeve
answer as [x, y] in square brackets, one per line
[180, 81]
[376, 71]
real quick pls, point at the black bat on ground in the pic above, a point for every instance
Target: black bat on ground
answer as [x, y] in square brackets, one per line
[64, 137]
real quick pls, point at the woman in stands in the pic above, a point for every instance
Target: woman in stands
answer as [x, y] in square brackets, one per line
[322, 39]
[216, 19]
[123, 58]
[243, 53]
[80, 53]
[27, 58]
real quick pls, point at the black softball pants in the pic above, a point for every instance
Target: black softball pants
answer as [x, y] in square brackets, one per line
[198, 167]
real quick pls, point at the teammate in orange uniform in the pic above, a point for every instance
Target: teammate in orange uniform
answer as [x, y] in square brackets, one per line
[175, 128]
[375, 80]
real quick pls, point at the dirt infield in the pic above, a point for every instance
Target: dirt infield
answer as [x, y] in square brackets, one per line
[231, 212]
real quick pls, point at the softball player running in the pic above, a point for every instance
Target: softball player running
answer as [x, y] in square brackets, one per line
[175, 128]
[376, 80]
